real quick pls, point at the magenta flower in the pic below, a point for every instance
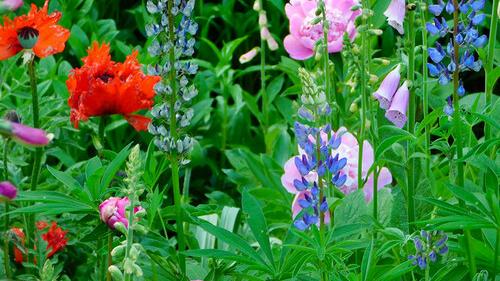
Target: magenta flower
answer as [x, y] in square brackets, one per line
[11, 4]
[304, 33]
[395, 14]
[397, 112]
[30, 136]
[388, 87]
[7, 191]
[113, 211]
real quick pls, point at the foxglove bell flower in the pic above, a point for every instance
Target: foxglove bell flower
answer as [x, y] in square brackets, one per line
[397, 111]
[395, 14]
[429, 246]
[388, 87]
[248, 56]
[7, 191]
[113, 211]
[305, 30]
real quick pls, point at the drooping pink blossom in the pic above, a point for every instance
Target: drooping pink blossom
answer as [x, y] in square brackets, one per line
[30, 136]
[304, 33]
[248, 56]
[388, 87]
[395, 14]
[397, 111]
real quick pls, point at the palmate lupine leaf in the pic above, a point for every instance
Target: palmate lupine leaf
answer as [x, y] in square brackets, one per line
[52, 203]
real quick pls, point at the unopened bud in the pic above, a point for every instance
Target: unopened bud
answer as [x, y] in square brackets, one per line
[256, 5]
[248, 56]
[354, 107]
[272, 44]
[376, 32]
[373, 79]
[116, 273]
[381, 61]
[262, 18]
[118, 251]
[411, 7]
[368, 124]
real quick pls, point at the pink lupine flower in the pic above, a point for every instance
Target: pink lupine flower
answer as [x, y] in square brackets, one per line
[7, 191]
[395, 14]
[304, 33]
[248, 56]
[11, 4]
[113, 211]
[397, 112]
[30, 136]
[388, 87]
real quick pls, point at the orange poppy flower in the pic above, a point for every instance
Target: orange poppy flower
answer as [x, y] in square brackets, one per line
[103, 87]
[37, 30]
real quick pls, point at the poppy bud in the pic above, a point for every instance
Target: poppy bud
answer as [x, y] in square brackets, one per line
[7, 191]
[12, 116]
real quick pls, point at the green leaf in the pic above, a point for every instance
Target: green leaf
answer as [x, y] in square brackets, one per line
[113, 168]
[351, 210]
[396, 135]
[257, 223]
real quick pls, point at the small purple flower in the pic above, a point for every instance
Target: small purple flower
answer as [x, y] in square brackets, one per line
[7, 190]
[397, 112]
[388, 87]
[29, 136]
[395, 14]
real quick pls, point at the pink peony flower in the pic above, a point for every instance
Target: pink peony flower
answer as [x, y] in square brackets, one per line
[304, 33]
[11, 4]
[397, 112]
[7, 191]
[113, 211]
[395, 14]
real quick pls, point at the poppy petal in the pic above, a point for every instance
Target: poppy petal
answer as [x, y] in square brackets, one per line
[139, 122]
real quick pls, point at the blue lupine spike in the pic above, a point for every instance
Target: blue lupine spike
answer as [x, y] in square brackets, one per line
[452, 67]
[324, 205]
[421, 262]
[450, 8]
[432, 29]
[299, 185]
[444, 78]
[433, 70]
[464, 7]
[308, 198]
[480, 41]
[477, 5]
[300, 224]
[315, 190]
[321, 169]
[436, 55]
[459, 38]
[327, 129]
[443, 250]
[304, 203]
[444, 28]
[441, 241]
[436, 9]
[448, 108]
[341, 164]
[432, 256]
[477, 65]
[449, 49]
[418, 244]
[478, 19]
[335, 142]
[310, 219]
[461, 89]
[340, 181]
[301, 166]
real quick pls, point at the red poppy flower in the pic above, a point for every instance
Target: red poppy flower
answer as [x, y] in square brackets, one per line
[37, 30]
[55, 238]
[104, 87]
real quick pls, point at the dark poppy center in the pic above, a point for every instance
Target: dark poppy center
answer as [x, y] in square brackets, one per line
[27, 33]
[105, 77]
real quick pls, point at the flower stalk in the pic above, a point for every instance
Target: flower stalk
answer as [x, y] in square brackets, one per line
[489, 65]
[425, 92]
[8, 272]
[411, 116]
[364, 95]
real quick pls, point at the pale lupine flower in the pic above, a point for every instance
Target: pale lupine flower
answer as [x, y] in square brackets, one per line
[388, 87]
[305, 32]
[113, 211]
[248, 56]
[395, 14]
[7, 191]
[397, 112]
[11, 5]
[25, 135]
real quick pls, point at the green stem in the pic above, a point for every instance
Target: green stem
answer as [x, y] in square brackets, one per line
[411, 120]
[460, 180]
[130, 233]
[101, 131]
[38, 151]
[427, 273]
[496, 266]
[425, 92]
[110, 258]
[265, 97]
[173, 131]
[6, 258]
[489, 65]
[364, 104]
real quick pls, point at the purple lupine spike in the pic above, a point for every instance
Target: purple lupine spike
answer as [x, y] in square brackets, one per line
[448, 109]
[436, 9]
[305, 203]
[437, 54]
[477, 5]
[300, 224]
[450, 8]
[433, 70]
[418, 244]
[301, 165]
[321, 169]
[339, 180]
[324, 205]
[443, 250]
[480, 41]
[432, 256]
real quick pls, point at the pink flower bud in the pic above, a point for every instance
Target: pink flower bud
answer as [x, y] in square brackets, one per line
[29, 136]
[113, 211]
[397, 112]
[248, 56]
[7, 190]
[387, 88]
[395, 14]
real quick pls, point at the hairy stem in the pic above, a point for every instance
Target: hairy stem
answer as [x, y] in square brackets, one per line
[265, 98]
[458, 136]
[110, 258]
[6, 258]
[173, 131]
[411, 119]
[130, 233]
[425, 92]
